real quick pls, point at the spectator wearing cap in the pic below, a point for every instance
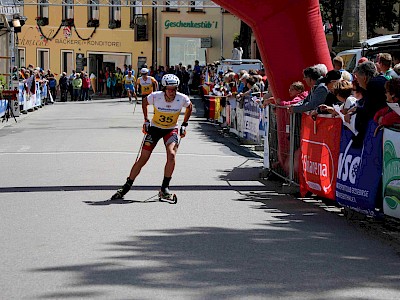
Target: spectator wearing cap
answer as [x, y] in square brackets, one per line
[385, 66]
[361, 60]
[317, 96]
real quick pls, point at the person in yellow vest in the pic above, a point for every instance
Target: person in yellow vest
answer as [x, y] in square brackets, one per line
[167, 105]
[129, 80]
[146, 83]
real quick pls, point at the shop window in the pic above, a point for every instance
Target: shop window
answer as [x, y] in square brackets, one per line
[68, 12]
[196, 6]
[115, 14]
[43, 58]
[172, 5]
[93, 13]
[42, 18]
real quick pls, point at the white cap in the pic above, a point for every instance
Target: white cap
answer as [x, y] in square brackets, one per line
[144, 71]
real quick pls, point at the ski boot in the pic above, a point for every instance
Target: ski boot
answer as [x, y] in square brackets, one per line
[165, 195]
[123, 190]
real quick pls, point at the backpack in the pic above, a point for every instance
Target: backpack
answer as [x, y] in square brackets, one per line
[52, 83]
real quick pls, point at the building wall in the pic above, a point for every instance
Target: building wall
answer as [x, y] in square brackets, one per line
[118, 45]
[221, 27]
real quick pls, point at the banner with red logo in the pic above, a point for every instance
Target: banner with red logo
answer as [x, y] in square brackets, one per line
[320, 147]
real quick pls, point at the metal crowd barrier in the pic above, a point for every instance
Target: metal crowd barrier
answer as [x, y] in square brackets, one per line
[284, 143]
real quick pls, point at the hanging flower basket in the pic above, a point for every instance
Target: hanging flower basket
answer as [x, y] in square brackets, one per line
[67, 22]
[93, 23]
[41, 21]
[114, 24]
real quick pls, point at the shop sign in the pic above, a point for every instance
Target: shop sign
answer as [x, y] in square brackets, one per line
[204, 25]
[206, 42]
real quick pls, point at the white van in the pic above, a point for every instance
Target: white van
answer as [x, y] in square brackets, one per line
[370, 48]
[237, 65]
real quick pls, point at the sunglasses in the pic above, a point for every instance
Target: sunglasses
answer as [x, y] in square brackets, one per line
[171, 89]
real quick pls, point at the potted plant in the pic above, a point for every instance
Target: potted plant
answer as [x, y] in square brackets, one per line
[68, 22]
[93, 23]
[42, 21]
[114, 24]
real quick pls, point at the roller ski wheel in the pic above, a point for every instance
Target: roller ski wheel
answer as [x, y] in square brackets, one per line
[166, 197]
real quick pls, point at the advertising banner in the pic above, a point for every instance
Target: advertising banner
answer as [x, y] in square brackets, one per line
[251, 120]
[240, 121]
[3, 107]
[391, 173]
[319, 146]
[360, 171]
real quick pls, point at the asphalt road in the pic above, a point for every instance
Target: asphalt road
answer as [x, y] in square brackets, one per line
[230, 236]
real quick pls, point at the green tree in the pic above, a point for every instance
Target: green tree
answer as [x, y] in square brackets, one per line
[332, 13]
[381, 14]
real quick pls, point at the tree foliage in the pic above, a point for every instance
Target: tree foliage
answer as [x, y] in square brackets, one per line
[380, 14]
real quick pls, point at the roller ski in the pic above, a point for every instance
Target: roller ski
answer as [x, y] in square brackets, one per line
[167, 196]
[123, 190]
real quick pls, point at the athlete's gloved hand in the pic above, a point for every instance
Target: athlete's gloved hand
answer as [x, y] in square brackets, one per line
[182, 131]
[146, 126]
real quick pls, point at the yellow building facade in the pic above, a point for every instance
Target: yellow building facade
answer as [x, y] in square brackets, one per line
[66, 38]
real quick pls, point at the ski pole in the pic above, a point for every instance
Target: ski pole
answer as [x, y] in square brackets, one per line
[140, 149]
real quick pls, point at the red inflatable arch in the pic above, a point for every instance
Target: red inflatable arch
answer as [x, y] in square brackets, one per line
[289, 35]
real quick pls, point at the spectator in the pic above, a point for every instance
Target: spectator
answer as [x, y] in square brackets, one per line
[343, 91]
[319, 91]
[385, 66]
[185, 81]
[102, 81]
[77, 87]
[338, 64]
[237, 51]
[386, 116]
[85, 88]
[374, 98]
[63, 85]
[70, 87]
[52, 83]
[111, 84]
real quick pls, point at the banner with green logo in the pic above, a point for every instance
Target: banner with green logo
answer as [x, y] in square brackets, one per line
[391, 173]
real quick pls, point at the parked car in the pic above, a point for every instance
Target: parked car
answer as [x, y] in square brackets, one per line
[370, 48]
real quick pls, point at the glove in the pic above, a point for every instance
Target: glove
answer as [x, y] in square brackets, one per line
[146, 126]
[182, 131]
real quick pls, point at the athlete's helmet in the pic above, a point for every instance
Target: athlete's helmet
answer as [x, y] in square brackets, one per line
[170, 80]
[144, 71]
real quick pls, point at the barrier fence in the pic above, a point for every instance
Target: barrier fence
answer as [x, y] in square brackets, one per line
[317, 154]
[29, 98]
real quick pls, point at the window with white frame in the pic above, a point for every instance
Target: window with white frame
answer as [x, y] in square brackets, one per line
[115, 14]
[68, 9]
[172, 5]
[93, 10]
[43, 9]
[43, 58]
[196, 6]
[136, 8]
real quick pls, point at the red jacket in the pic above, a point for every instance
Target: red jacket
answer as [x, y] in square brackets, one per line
[86, 83]
[389, 117]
